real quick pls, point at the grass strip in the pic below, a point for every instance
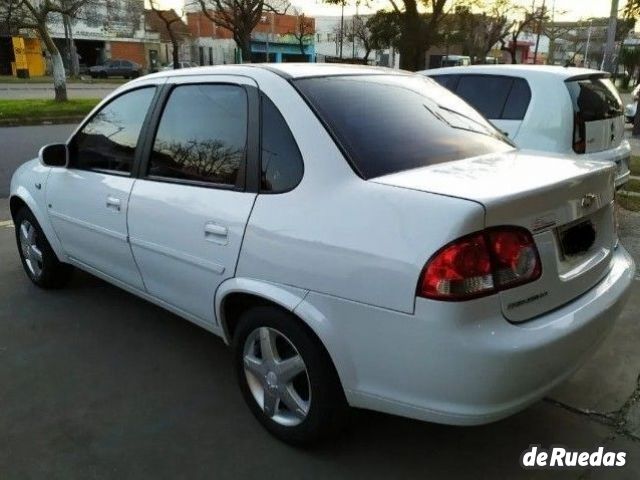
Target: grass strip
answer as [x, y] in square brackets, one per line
[29, 111]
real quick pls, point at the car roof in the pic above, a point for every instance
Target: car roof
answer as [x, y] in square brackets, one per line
[562, 73]
[288, 70]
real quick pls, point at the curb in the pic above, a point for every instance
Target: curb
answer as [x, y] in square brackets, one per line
[23, 122]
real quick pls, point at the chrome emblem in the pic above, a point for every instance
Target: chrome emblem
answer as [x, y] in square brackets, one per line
[588, 200]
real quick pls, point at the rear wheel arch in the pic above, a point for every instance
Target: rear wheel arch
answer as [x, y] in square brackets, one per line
[237, 295]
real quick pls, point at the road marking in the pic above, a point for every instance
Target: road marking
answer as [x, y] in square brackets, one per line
[6, 224]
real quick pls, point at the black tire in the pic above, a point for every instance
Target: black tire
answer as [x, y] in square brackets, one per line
[50, 272]
[327, 407]
[103, 75]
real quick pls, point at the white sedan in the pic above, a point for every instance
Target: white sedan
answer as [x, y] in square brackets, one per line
[359, 236]
[575, 112]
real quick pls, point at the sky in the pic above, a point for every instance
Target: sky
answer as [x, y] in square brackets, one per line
[575, 9]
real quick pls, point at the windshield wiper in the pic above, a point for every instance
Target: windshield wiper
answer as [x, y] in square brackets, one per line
[485, 130]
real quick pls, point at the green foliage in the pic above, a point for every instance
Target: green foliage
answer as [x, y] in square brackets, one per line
[384, 28]
[630, 58]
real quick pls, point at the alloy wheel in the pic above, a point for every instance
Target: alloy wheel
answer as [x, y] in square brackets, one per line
[30, 250]
[277, 376]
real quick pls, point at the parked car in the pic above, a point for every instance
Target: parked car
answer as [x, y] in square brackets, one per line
[631, 108]
[116, 68]
[169, 66]
[359, 236]
[575, 112]
[455, 60]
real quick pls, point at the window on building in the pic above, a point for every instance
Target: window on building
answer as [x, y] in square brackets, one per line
[210, 55]
[282, 166]
[202, 135]
[108, 141]
[201, 55]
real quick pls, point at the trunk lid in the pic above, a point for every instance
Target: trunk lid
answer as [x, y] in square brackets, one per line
[566, 204]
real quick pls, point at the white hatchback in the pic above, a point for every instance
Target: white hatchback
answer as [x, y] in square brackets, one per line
[572, 111]
[360, 236]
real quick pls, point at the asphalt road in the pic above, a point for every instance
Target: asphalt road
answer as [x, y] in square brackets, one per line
[19, 144]
[96, 383]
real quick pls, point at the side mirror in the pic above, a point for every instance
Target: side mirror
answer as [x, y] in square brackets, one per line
[53, 155]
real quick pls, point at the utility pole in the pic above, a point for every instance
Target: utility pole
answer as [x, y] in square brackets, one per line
[586, 49]
[353, 31]
[607, 62]
[342, 27]
[540, 19]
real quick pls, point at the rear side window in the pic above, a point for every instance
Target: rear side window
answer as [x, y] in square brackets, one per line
[282, 166]
[391, 123]
[447, 81]
[595, 99]
[202, 135]
[496, 97]
[517, 101]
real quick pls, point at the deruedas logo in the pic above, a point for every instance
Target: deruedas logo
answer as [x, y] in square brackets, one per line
[560, 457]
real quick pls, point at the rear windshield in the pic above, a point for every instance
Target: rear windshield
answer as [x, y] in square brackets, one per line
[595, 99]
[390, 123]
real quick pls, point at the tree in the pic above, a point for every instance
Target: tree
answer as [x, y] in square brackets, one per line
[304, 30]
[240, 17]
[384, 30]
[34, 15]
[630, 58]
[482, 31]
[528, 18]
[170, 21]
[554, 32]
[419, 26]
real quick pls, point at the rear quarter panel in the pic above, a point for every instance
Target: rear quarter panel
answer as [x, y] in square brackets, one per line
[343, 236]
[548, 124]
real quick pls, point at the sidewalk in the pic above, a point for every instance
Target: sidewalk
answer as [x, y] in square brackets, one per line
[45, 90]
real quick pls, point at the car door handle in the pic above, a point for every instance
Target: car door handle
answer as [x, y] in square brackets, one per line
[113, 203]
[216, 233]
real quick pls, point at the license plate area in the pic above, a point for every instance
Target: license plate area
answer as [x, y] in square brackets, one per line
[577, 239]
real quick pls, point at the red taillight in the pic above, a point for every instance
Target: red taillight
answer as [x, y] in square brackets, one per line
[480, 264]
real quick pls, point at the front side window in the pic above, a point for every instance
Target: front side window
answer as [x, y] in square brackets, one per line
[202, 135]
[391, 123]
[282, 166]
[108, 141]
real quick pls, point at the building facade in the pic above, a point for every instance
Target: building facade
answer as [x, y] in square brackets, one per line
[273, 39]
[113, 29]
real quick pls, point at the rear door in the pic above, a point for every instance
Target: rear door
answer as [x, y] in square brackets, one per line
[189, 208]
[503, 100]
[599, 113]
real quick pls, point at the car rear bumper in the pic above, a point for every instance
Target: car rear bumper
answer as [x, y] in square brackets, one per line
[463, 363]
[620, 155]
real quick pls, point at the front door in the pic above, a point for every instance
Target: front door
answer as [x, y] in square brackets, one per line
[88, 201]
[189, 209]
